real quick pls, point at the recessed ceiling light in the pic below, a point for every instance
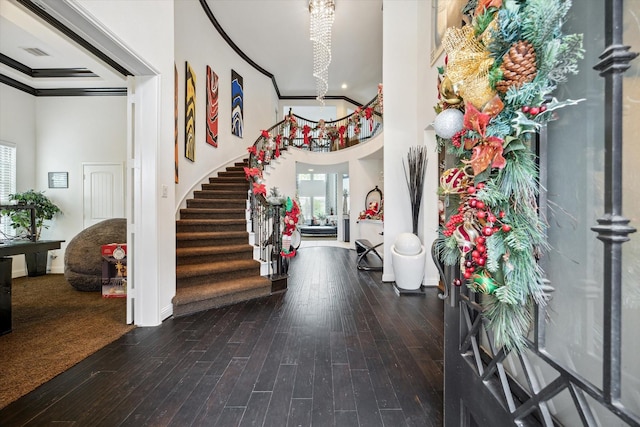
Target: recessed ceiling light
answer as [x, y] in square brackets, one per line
[310, 170]
[344, 86]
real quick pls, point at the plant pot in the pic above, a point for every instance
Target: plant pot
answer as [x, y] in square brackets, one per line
[36, 263]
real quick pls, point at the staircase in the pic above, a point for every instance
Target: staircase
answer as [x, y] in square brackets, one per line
[214, 261]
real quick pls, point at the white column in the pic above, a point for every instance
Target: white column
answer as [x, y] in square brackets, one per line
[409, 93]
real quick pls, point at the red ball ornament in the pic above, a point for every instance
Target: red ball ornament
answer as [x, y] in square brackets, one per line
[468, 264]
[481, 214]
[491, 218]
[467, 275]
[487, 231]
[471, 190]
[543, 108]
[525, 109]
[481, 248]
[534, 111]
[506, 228]
[481, 261]
[457, 282]
[480, 185]
[502, 214]
[473, 203]
[480, 204]
[480, 240]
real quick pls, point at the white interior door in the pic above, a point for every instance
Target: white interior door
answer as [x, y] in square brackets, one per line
[103, 192]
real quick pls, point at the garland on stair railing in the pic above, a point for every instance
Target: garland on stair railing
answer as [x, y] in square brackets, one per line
[494, 88]
[277, 138]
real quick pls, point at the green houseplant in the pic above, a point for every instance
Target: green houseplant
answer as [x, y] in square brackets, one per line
[45, 210]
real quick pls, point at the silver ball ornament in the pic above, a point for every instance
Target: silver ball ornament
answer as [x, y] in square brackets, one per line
[448, 123]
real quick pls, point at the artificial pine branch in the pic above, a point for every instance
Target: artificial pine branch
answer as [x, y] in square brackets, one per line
[569, 53]
[540, 20]
[509, 322]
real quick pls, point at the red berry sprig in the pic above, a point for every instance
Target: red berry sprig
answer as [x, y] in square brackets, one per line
[533, 111]
[452, 224]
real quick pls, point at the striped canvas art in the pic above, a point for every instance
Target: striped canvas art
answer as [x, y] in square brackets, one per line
[190, 115]
[175, 121]
[236, 104]
[212, 107]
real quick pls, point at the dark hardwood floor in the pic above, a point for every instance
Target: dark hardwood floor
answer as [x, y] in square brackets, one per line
[338, 348]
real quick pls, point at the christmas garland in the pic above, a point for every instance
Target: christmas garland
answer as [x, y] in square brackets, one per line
[493, 98]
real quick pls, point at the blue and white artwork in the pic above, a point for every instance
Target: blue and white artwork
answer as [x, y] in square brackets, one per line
[237, 121]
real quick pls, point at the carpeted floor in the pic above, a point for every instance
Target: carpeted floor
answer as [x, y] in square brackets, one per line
[54, 327]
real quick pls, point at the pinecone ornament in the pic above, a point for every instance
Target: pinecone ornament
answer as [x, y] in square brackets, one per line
[518, 66]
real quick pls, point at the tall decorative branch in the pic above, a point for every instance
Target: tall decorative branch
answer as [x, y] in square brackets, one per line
[417, 165]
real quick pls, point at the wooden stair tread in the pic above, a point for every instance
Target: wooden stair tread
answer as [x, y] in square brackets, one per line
[212, 250]
[212, 268]
[204, 235]
[207, 291]
[212, 221]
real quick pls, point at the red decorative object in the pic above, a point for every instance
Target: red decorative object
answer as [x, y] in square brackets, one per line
[259, 189]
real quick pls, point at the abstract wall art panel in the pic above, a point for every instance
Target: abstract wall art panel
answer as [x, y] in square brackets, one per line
[190, 115]
[212, 107]
[237, 94]
[175, 120]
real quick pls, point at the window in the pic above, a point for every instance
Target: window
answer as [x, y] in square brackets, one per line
[7, 181]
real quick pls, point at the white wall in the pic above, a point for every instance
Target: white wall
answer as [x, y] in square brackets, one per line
[71, 131]
[341, 106]
[17, 125]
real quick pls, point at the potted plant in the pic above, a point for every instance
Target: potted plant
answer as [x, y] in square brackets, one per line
[45, 210]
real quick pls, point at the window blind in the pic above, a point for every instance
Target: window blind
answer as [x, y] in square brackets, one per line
[7, 181]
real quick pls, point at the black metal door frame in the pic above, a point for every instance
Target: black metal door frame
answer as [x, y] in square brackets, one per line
[478, 390]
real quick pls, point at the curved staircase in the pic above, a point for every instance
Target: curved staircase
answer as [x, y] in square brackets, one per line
[214, 260]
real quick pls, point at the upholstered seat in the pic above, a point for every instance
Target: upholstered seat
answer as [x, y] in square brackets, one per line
[83, 256]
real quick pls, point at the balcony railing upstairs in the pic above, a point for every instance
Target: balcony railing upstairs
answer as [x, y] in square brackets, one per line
[294, 131]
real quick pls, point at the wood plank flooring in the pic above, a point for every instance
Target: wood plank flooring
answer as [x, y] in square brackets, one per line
[338, 348]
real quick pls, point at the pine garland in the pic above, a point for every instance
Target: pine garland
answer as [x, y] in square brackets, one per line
[496, 234]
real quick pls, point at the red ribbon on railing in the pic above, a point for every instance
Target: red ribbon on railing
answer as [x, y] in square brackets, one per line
[252, 150]
[305, 132]
[368, 113]
[341, 131]
[278, 142]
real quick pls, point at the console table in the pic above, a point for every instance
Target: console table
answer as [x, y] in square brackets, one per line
[7, 249]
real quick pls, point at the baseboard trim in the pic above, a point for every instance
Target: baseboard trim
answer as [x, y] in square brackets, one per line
[166, 312]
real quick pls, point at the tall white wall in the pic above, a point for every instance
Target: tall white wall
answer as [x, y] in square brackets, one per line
[198, 42]
[409, 95]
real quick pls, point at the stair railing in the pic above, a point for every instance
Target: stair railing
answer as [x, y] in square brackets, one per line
[295, 131]
[265, 223]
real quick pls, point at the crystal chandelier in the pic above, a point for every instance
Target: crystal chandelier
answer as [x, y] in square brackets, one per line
[322, 14]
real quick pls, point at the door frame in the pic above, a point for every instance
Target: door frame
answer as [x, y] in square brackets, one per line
[478, 388]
